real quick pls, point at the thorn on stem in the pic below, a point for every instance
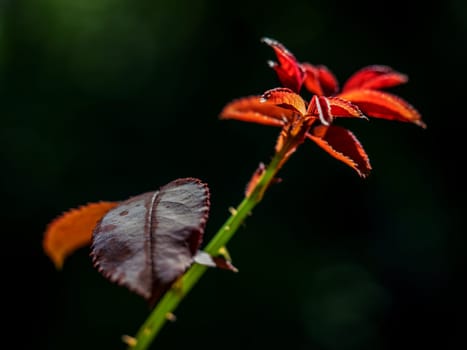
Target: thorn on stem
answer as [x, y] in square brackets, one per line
[177, 286]
[129, 340]
[170, 317]
[232, 210]
[225, 253]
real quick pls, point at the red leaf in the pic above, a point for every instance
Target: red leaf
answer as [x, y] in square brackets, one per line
[374, 77]
[285, 98]
[383, 105]
[254, 110]
[319, 80]
[148, 241]
[344, 108]
[342, 145]
[321, 108]
[254, 179]
[73, 230]
[289, 71]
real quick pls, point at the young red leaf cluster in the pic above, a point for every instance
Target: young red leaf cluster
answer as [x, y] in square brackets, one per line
[148, 241]
[361, 97]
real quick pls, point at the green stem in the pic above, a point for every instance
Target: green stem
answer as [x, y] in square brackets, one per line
[159, 316]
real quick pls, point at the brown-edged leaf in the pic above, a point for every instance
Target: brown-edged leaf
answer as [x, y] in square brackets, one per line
[319, 80]
[254, 179]
[72, 230]
[286, 99]
[374, 77]
[321, 108]
[344, 108]
[259, 172]
[342, 145]
[379, 104]
[289, 71]
[254, 109]
[148, 241]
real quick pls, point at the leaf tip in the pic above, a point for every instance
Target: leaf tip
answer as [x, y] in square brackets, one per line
[267, 41]
[51, 252]
[51, 245]
[420, 124]
[364, 174]
[72, 230]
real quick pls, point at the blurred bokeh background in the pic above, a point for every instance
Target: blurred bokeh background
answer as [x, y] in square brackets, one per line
[105, 99]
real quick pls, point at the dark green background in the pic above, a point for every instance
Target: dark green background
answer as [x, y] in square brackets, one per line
[105, 99]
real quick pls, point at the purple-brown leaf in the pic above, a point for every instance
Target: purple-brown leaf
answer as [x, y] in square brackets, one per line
[148, 241]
